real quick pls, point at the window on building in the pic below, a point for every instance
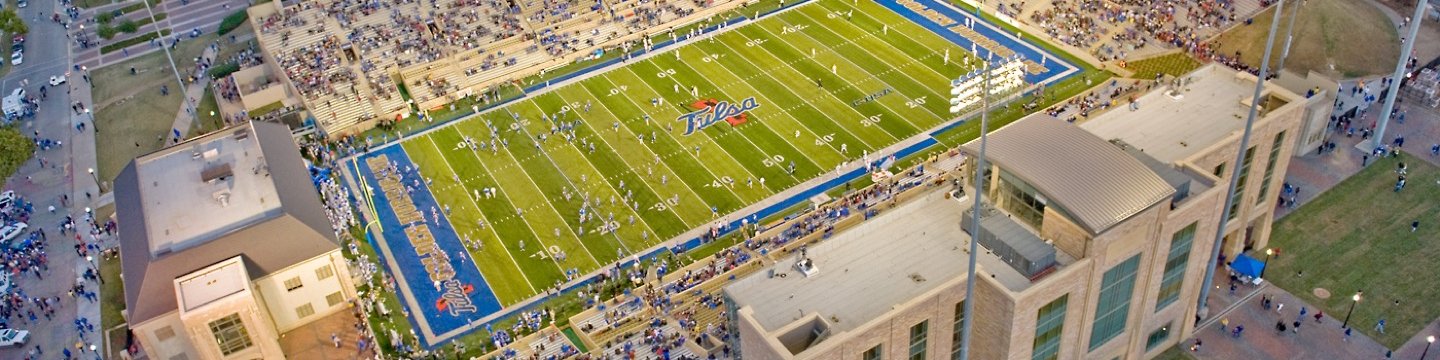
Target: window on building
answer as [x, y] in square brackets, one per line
[324, 272]
[1240, 185]
[1270, 167]
[955, 339]
[164, 333]
[1113, 309]
[1220, 170]
[872, 354]
[230, 334]
[1157, 337]
[1175, 264]
[1021, 200]
[1049, 324]
[304, 311]
[917, 340]
[334, 298]
[180, 356]
[293, 283]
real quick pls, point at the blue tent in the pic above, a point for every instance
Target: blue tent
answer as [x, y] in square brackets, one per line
[1247, 266]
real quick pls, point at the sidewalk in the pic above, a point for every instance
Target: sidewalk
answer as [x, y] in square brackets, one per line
[194, 92]
[1261, 340]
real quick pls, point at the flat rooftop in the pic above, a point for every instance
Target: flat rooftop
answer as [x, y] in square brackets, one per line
[868, 270]
[208, 285]
[1173, 128]
[205, 187]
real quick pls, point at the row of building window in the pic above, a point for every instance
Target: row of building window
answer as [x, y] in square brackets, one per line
[1116, 290]
[919, 339]
[324, 272]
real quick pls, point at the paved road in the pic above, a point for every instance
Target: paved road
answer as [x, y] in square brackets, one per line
[64, 173]
[181, 17]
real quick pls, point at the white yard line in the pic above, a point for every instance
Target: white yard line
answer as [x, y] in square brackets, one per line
[707, 135]
[544, 199]
[564, 175]
[491, 228]
[631, 167]
[785, 112]
[683, 148]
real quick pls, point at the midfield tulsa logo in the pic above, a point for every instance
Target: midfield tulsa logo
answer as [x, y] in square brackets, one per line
[709, 112]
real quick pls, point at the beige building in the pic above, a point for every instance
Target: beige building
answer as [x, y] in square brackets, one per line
[225, 246]
[1094, 242]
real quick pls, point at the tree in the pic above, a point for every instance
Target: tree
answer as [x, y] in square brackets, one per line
[11, 22]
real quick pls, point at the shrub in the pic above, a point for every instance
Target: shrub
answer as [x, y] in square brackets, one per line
[233, 21]
[15, 149]
[223, 70]
[132, 41]
[129, 26]
[104, 17]
[106, 31]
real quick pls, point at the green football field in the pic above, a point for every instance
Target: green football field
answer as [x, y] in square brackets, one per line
[808, 69]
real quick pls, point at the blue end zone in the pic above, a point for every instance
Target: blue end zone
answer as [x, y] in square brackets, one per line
[1054, 65]
[421, 296]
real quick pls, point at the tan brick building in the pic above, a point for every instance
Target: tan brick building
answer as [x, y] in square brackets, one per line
[1094, 243]
[225, 246]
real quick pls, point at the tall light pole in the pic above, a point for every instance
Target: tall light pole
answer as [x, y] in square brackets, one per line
[1405, 48]
[1011, 74]
[1356, 300]
[1202, 310]
[1268, 254]
[1428, 341]
[96, 178]
[1289, 36]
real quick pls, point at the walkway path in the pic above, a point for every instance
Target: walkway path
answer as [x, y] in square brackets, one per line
[194, 92]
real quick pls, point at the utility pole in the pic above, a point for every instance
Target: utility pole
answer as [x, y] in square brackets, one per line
[1201, 309]
[1289, 37]
[1406, 48]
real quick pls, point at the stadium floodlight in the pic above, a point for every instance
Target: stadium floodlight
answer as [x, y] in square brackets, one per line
[996, 78]
[1003, 77]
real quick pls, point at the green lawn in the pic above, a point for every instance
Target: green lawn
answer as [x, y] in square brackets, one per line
[1175, 64]
[112, 299]
[209, 116]
[1340, 38]
[1357, 236]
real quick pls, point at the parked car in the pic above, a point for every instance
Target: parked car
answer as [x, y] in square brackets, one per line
[57, 80]
[12, 337]
[7, 199]
[12, 231]
[18, 39]
[17, 57]
[22, 4]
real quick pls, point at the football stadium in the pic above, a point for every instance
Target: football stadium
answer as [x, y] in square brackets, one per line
[670, 147]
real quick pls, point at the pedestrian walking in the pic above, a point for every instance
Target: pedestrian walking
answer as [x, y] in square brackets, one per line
[1295, 327]
[1414, 225]
[1237, 331]
[1347, 334]
[1279, 309]
[1319, 315]
[1196, 345]
[1380, 326]
[1303, 312]
[1224, 324]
